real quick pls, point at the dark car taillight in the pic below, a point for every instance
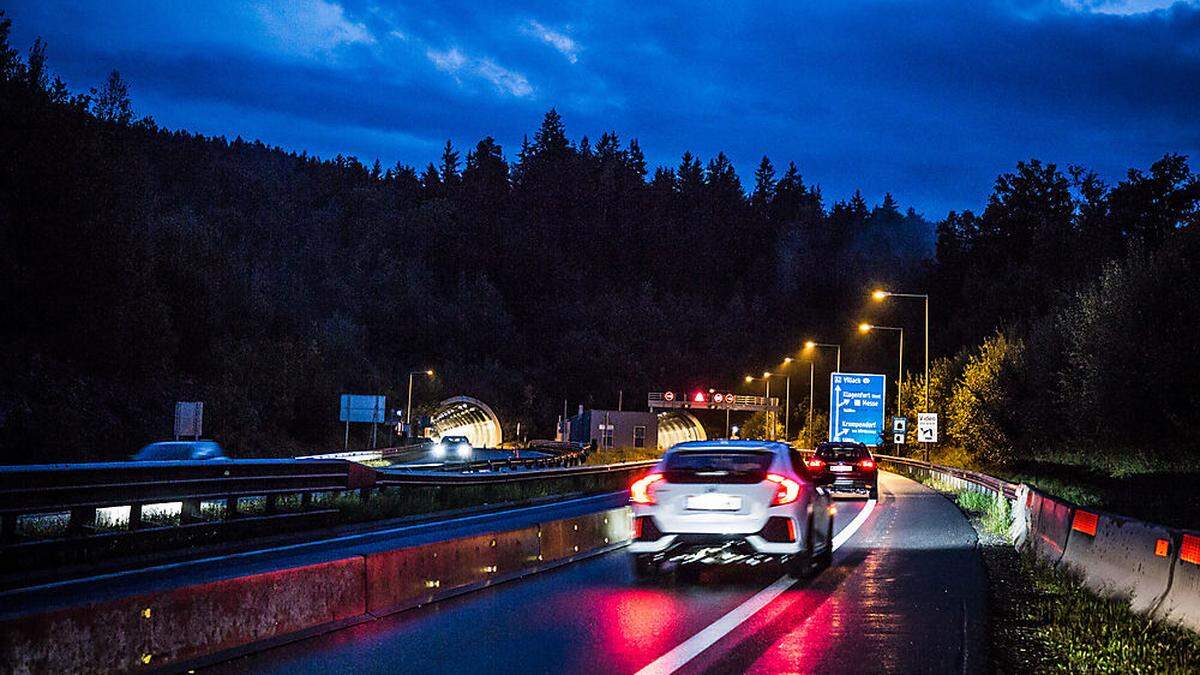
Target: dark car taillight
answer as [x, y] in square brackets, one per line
[644, 529]
[779, 530]
[867, 464]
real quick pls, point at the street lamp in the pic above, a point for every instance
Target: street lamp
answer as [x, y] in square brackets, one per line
[881, 295]
[867, 328]
[766, 377]
[408, 408]
[814, 345]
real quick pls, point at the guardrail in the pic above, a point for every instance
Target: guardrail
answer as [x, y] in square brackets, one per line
[550, 455]
[59, 514]
[1155, 568]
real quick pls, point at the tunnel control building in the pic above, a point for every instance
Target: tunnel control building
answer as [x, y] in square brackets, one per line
[633, 429]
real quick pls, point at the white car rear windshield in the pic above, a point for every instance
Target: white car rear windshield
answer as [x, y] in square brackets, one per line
[716, 466]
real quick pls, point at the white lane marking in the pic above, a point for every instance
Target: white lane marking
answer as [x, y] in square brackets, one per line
[691, 648]
[416, 528]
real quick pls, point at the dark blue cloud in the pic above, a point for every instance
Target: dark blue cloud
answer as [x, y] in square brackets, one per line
[927, 99]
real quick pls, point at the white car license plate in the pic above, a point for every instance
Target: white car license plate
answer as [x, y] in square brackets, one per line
[841, 469]
[714, 502]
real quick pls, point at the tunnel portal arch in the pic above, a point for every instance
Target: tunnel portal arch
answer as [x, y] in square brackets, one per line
[678, 426]
[470, 417]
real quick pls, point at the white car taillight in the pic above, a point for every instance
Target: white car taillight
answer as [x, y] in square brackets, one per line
[787, 490]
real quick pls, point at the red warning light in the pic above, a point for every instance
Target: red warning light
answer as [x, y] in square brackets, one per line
[698, 397]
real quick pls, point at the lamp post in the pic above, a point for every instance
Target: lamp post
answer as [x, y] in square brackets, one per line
[766, 377]
[882, 295]
[408, 407]
[867, 328]
[814, 345]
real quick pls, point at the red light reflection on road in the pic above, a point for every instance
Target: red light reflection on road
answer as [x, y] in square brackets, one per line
[802, 650]
[634, 624]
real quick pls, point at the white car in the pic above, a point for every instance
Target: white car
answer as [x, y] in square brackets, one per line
[459, 446]
[718, 501]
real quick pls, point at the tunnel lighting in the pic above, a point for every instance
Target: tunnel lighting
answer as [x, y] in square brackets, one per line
[787, 492]
[880, 295]
[639, 492]
[865, 327]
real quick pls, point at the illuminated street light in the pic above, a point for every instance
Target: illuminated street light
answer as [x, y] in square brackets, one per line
[766, 377]
[408, 408]
[867, 328]
[814, 345]
[881, 295]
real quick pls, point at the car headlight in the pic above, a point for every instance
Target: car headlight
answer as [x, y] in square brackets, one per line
[439, 450]
[464, 450]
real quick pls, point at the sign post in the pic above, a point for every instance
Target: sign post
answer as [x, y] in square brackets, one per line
[856, 406]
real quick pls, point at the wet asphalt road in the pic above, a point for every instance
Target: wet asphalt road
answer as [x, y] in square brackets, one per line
[906, 593]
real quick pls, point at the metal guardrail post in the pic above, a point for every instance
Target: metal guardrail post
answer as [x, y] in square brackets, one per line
[189, 511]
[135, 516]
[82, 520]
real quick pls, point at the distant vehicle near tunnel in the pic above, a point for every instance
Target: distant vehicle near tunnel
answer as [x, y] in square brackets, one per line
[470, 418]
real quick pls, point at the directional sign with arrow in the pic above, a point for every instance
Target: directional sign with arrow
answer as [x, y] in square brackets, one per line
[856, 405]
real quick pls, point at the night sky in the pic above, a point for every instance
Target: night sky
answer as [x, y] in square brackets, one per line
[927, 99]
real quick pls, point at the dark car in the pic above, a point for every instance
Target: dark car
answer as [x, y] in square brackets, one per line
[848, 466]
[172, 451]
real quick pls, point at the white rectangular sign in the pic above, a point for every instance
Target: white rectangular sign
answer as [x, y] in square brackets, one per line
[189, 418]
[927, 427]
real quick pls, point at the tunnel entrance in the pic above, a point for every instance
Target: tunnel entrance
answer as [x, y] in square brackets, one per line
[470, 417]
[678, 426]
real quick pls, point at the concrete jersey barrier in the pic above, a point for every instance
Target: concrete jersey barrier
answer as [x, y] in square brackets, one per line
[1182, 602]
[201, 623]
[1120, 557]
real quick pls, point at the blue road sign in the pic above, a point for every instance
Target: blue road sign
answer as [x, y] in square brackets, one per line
[856, 404]
[359, 408]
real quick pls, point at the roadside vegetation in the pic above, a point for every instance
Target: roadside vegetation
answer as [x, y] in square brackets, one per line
[622, 454]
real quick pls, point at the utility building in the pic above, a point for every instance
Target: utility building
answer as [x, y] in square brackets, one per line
[615, 428]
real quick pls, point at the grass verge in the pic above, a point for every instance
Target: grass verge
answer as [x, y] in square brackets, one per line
[1042, 619]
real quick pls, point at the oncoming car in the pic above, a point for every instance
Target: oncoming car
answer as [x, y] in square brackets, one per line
[846, 467]
[723, 500]
[458, 446]
[172, 451]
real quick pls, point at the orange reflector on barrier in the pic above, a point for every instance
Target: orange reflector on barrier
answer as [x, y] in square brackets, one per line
[1162, 547]
[1085, 522]
[1190, 551]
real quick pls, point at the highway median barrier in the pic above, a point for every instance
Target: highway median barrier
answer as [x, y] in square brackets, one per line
[201, 623]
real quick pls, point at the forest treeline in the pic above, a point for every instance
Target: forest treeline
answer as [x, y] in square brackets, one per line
[140, 266]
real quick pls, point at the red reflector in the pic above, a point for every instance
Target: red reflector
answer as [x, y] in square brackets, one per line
[791, 529]
[1162, 547]
[1190, 550]
[1085, 522]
